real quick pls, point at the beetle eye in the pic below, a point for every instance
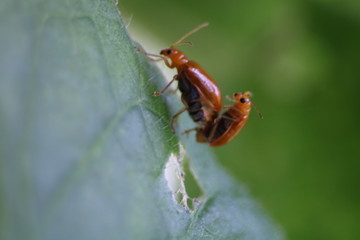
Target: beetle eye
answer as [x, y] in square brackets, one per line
[168, 51]
[243, 100]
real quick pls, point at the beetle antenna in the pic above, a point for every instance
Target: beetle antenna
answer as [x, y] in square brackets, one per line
[183, 43]
[180, 41]
[257, 110]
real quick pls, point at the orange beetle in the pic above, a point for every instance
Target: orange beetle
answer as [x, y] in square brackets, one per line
[200, 93]
[229, 124]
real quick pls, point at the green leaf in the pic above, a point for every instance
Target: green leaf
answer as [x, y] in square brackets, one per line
[84, 144]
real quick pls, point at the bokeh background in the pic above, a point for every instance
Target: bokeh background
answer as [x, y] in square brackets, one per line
[301, 59]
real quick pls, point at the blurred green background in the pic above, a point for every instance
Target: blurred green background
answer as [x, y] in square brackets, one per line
[301, 59]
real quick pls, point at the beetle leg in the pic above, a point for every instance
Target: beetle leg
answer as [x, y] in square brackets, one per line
[173, 91]
[213, 129]
[236, 109]
[230, 99]
[174, 118]
[167, 63]
[166, 87]
[149, 54]
[159, 57]
[186, 132]
[201, 136]
[230, 118]
[239, 111]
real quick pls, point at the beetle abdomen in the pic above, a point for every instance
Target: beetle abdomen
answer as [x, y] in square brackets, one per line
[191, 98]
[222, 126]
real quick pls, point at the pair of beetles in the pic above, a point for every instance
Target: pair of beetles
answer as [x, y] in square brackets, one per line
[202, 98]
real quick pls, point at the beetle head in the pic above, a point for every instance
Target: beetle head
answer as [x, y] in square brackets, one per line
[243, 97]
[176, 56]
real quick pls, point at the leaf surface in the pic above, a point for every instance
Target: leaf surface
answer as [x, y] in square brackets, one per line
[84, 144]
